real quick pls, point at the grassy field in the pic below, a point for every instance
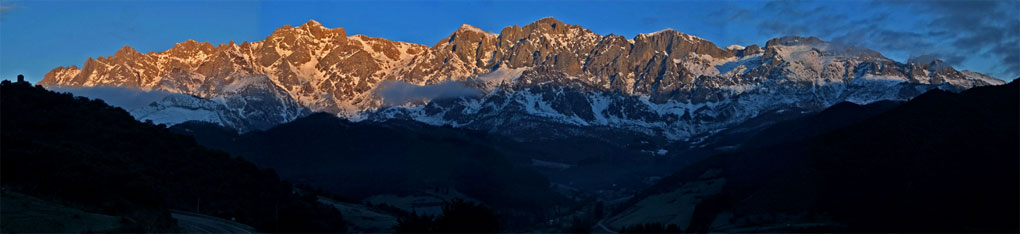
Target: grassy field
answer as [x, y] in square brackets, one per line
[362, 218]
[428, 202]
[676, 207]
[26, 214]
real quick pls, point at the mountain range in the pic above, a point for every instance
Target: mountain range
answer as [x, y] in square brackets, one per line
[546, 79]
[547, 127]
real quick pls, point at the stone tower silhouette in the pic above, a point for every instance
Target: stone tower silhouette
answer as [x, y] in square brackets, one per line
[21, 78]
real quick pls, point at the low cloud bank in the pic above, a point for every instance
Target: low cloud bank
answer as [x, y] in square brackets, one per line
[399, 93]
[127, 98]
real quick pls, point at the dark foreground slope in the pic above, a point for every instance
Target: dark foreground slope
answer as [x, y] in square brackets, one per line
[360, 160]
[942, 162]
[85, 154]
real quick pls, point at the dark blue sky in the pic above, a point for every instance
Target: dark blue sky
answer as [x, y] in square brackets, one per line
[36, 36]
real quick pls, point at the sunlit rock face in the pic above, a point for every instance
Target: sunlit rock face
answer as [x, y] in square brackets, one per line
[546, 73]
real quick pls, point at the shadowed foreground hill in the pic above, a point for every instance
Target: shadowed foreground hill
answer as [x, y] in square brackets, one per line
[88, 155]
[361, 159]
[942, 162]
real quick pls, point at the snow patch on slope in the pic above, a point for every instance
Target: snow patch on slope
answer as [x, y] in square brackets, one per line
[981, 77]
[179, 108]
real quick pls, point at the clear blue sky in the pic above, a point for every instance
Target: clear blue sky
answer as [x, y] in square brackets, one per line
[36, 36]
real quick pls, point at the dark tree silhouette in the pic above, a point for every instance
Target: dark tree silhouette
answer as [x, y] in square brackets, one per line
[90, 155]
[415, 223]
[462, 217]
[651, 228]
[458, 216]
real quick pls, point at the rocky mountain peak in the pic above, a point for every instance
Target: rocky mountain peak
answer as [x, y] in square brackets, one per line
[675, 45]
[311, 24]
[792, 47]
[666, 31]
[928, 62]
[547, 25]
[126, 51]
[312, 29]
[465, 34]
[747, 51]
[470, 28]
[317, 30]
[547, 21]
[191, 48]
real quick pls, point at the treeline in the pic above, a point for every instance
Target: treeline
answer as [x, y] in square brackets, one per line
[92, 156]
[651, 228]
[458, 216]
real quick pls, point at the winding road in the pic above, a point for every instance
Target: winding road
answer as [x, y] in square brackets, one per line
[603, 228]
[198, 223]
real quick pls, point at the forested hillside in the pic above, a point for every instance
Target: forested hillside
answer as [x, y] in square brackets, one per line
[89, 155]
